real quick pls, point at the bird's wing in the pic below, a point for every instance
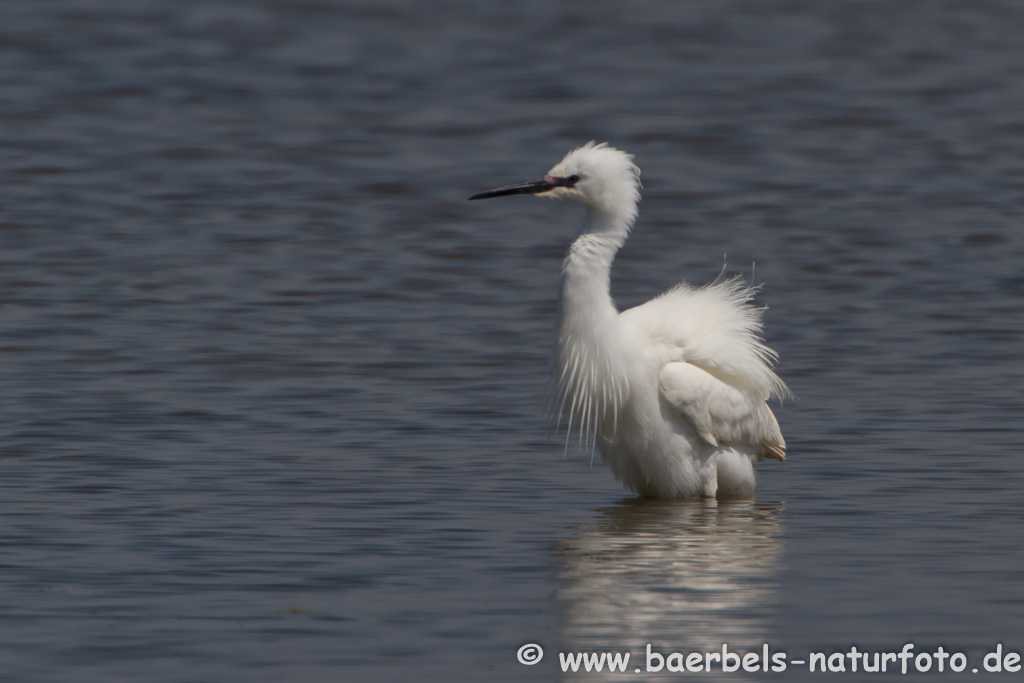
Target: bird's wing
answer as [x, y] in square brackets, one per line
[718, 411]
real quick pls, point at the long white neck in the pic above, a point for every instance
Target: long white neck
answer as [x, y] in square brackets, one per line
[592, 383]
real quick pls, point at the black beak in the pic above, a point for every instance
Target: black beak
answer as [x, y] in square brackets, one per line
[529, 187]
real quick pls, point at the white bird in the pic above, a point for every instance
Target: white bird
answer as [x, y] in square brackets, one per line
[673, 391]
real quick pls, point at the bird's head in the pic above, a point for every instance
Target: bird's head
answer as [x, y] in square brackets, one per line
[597, 175]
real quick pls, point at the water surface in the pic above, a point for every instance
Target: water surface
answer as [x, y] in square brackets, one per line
[272, 391]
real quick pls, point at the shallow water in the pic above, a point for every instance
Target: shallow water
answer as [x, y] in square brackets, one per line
[273, 392]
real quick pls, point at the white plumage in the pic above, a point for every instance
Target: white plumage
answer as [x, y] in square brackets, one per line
[672, 392]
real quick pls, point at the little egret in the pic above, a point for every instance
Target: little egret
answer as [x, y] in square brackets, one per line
[674, 391]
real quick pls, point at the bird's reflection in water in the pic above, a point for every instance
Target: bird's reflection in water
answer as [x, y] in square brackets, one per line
[682, 576]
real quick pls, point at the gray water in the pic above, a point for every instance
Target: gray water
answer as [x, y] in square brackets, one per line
[272, 392]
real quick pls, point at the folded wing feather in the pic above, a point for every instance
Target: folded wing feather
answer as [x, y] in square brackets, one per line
[720, 412]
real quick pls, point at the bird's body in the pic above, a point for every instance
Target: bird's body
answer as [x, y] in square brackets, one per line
[672, 392]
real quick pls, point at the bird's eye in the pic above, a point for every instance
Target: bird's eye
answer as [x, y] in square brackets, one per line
[573, 179]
